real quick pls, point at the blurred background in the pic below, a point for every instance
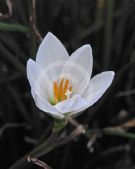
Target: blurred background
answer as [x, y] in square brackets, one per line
[109, 26]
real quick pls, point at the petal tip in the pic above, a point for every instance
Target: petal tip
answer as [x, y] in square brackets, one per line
[29, 63]
[50, 35]
[112, 73]
[87, 47]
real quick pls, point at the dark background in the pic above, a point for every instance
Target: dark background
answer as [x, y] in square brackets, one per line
[109, 26]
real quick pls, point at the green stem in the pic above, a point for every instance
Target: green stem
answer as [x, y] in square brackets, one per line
[23, 163]
[41, 149]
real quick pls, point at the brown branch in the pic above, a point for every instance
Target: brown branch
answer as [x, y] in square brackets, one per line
[11, 59]
[12, 125]
[123, 127]
[58, 143]
[48, 146]
[10, 7]
[126, 93]
[38, 162]
[37, 33]
[33, 21]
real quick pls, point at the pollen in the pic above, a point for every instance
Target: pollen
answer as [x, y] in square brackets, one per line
[61, 90]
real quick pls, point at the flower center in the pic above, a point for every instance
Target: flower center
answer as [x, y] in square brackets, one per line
[61, 90]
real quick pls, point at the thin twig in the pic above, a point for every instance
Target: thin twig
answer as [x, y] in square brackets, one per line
[52, 143]
[73, 121]
[125, 126]
[10, 6]
[9, 14]
[12, 125]
[33, 21]
[11, 59]
[58, 143]
[37, 33]
[21, 106]
[108, 34]
[126, 93]
[38, 162]
[119, 130]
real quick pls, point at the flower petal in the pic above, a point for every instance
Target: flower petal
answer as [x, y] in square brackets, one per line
[38, 79]
[47, 107]
[70, 105]
[33, 70]
[97, 86]
[51, 55]
[78, 69]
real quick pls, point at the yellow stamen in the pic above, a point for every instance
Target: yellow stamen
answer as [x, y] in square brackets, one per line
[61, 89]
[55, 90]
[70, 88]
[65, 89]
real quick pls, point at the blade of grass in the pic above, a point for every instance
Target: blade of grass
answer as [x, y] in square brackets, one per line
[13, 46]
[119, 133]
[33, 38]
[108, 34]
[13, 27]
[17, 99]
[11, 59]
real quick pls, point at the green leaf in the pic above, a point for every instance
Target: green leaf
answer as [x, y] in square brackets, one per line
[13, 27]
[119, 133]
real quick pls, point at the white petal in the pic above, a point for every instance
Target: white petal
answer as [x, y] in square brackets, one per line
[33, 70]
[98, 85]
[78, 69]
[70, 105]
[38, 79]
[47, 107]
[51, 55]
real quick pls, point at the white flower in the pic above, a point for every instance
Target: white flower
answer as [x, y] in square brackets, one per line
[61, 84]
